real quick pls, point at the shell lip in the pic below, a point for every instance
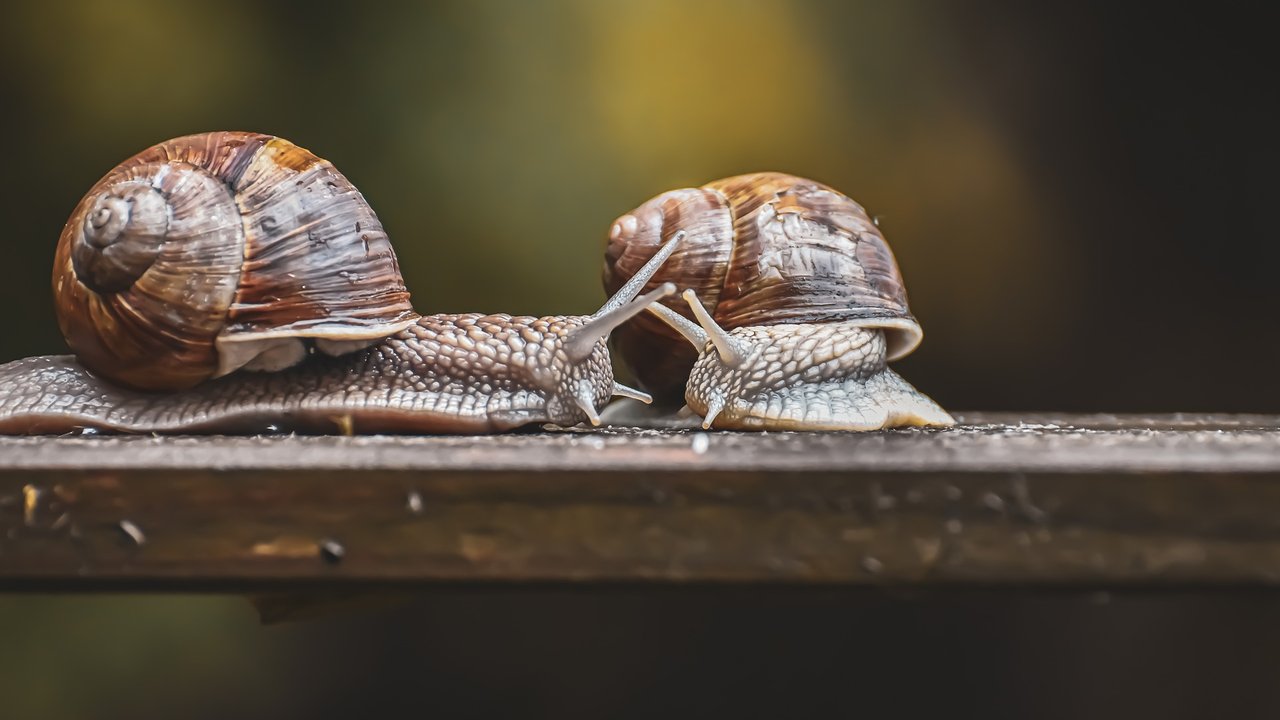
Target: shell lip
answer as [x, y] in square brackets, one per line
[324, 328]
[238, 348]
[903, 332]
[905, 338]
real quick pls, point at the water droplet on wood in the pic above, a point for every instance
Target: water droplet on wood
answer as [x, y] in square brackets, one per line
[332, 551]
[132, 532]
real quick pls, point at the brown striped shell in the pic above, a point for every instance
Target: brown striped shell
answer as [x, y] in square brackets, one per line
[208, 253]
[761, 249]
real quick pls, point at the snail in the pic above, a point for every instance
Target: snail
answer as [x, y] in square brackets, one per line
[235, 282]
[794, 307]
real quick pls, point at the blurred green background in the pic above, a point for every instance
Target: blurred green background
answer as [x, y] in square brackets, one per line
[1079, 196]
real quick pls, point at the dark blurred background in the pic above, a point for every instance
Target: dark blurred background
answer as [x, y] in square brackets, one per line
[1078, 195]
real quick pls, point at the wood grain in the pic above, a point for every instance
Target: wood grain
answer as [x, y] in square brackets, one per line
[1045, 500]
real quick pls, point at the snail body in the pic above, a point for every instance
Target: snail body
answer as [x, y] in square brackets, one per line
[466, 373]
[793, 306]
[234, 282]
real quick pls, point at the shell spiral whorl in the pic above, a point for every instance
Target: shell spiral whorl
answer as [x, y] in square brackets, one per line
[120, 237]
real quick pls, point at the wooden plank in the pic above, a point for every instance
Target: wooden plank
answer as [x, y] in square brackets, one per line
[1035, 500]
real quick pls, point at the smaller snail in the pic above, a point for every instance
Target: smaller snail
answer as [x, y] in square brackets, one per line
[804, 308]
[235, 282]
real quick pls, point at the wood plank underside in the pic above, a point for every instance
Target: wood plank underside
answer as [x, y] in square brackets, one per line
[1048, 500]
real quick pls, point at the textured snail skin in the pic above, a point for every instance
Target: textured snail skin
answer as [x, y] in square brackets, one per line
[445, 374]
[829, 376]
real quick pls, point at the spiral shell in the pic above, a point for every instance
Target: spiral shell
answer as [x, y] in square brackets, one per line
[212, 252]
[761, 249]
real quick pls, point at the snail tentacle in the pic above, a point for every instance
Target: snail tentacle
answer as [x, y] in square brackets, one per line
[681, 324]
[583, 398]
[730, 349]
[583, 339]
[632, 287]
[620, 390]
[711, 409]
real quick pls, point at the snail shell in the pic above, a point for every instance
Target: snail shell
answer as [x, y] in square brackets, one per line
[761, 249]
[213, 252]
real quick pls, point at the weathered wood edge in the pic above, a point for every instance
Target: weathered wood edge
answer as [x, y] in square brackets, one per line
[1040, 504]
[984, 442]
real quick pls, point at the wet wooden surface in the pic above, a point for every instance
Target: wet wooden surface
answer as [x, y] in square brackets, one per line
[1098, 501]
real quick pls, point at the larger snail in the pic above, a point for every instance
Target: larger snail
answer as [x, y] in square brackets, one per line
[795, 305]
[206, 258]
